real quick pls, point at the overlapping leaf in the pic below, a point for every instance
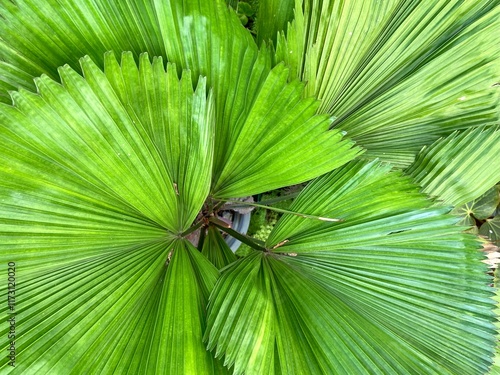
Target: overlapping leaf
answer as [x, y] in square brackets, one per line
[398, 74]
[393, 288]
[272, 17]
[281, 142]
[216, 249]
[260, 118]
[117, 163]
[193, 35]
[95, 186]
[38, 37]
[459, 168]
[180, 124]
[176, 345]
[242, 320]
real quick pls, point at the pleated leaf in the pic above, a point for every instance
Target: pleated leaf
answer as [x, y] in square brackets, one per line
[398, 75]
[83, 126]
[272, 18]
[216, 249]
[122, 310]
[208, 38]
[180, 122]
[459, 168]
[396, 287]
[250, 99]
[191, 34]
[242, 320]
[177, 346]
[281, 142]
[267, 135]
[39, 36]
[495, 370]
[90, 205]
[86, 314]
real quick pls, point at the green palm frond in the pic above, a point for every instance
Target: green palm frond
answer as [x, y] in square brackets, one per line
[380, 292]
[180, 123]
[279, 121]
[272, 17]
[398, 75]
[91, 209]
[216, 249]
[240, 76]
[459, 168]
[38, 37]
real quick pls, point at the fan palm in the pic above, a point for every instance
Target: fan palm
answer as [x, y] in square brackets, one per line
[127, 125]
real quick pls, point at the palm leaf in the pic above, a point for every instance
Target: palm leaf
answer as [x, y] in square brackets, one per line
[179, 122]
[260, 118]
[160, 28]
[459, 168]
[247, 341]
[91, 208]
[495, 370]
[195, 35]
[177, 346]
[397, 75]
[216, 249]
[113, 164]
[96, 189]
[272, 17]
[280, 142]
[329, 294]
[191, 34]
[38, 37]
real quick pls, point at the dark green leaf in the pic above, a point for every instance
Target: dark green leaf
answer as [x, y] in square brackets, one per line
[485, 205]
[245, 8]
[491, 230]
[480, 209]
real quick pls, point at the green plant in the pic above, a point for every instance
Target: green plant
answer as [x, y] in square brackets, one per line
[107, 166]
